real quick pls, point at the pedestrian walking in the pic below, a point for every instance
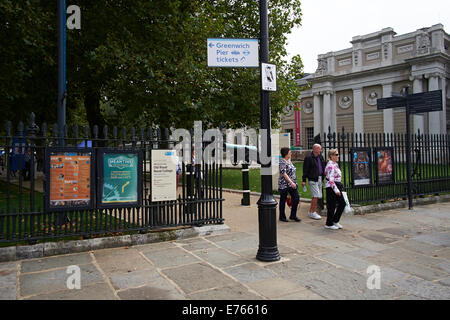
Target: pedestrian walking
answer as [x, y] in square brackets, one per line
[313, 170]
[287, 184]
[333, 186]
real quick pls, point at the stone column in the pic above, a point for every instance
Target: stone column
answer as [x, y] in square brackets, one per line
[317, 114]
[333, 113]
[418, 119]
[388, 114]
[326, 111]
[434, 121]
[358, 110]
[443, 113]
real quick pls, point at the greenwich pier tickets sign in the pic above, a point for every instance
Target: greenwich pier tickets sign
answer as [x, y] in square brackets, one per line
[69, 177]
[120, 175]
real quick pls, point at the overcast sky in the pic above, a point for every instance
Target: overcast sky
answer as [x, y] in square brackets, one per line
[329, 25]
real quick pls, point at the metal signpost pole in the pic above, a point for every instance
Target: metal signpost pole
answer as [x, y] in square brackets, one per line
[268, 250]
[408, 151]
[61, 70]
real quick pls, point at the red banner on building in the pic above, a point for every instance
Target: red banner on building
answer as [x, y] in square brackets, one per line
[298, 140]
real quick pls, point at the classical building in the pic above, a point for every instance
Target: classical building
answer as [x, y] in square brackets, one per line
[343, 91]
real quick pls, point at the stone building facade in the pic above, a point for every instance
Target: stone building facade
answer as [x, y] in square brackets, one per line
[343, 91]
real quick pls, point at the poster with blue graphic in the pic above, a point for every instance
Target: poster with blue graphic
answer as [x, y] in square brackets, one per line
[120, 176]
[361, 166]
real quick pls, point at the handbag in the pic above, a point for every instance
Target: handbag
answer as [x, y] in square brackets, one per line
[289, 201]
[348, 209]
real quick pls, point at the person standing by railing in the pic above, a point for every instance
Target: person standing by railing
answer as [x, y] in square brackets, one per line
[313, 170]
[287, 184]
[333, 186]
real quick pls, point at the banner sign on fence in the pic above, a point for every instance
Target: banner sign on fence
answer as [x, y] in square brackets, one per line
[384, 158]
[163, 172]
[361, 167]
[69, 177]
[120, 178]
[297, 115]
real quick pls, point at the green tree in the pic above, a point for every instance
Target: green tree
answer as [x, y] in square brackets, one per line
[142, 62]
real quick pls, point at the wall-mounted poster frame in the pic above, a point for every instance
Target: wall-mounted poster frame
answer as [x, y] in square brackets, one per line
[384, 165]
[70, 179]
[361, 167]
[119, 178]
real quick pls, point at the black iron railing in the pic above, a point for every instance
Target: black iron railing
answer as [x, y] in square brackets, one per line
[22, 186]
[430, 163]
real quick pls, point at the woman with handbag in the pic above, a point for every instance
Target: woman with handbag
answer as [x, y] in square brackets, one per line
[287, 184]
[333, 186]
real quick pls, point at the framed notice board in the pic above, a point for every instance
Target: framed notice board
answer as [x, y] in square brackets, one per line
[384, 157]
[69, 175]
[361, 167]
[119, 178]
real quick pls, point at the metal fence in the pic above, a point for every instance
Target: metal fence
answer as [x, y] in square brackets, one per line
[430, 164]
[22, 196]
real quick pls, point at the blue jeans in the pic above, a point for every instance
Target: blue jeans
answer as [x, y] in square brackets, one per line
[295, 200]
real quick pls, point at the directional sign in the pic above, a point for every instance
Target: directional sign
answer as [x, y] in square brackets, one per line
[269, 77]
[418, 103]
[425, 102]
[388, 103]
[233, 52]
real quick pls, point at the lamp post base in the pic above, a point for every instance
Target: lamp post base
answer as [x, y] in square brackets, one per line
[267, 216]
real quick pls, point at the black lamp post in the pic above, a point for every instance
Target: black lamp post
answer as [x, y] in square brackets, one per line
[268, 249]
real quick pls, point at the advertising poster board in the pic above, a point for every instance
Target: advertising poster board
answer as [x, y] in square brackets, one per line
[163, 172]
[384, 158]
[69, 177]
[361, 167]
[120, 178]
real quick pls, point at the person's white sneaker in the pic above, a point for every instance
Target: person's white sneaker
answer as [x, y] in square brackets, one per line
[333, 227]
[337, 224]
[314, 215]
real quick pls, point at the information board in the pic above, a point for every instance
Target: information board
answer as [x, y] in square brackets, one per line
[163, 172]
[69, 176]
[120, 178]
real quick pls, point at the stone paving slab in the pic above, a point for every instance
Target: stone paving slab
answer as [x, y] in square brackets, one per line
[220, 257]
[198, 276]
[297, 266]
[133, 279]
[196, 244]
[99, 291]
[8, 277]
[8, 293]
[249, 272]
[440, 239]
[275, 287]
[55, 262]
[418, 270]
[158, 289]
[121, 260]
[417, 246]
[170, 257]
[346, 261]
[301, 295]
[424, 289]
[234, 292]
[55, 280]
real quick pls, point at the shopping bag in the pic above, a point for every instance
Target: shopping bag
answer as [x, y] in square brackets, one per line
[348, 209]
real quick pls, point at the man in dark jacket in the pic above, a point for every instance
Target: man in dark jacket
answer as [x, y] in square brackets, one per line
[314, 170]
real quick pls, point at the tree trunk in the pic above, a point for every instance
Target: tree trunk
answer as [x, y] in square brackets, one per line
[92, 106]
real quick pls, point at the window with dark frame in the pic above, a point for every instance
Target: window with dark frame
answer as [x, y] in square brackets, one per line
[310, 137]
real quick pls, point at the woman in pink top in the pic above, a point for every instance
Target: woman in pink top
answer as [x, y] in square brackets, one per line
[334, 188]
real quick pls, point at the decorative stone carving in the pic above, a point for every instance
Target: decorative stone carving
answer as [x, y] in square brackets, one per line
[308, 108]
[323, 66]
[371, 98]
[345, 102]
[423, 43]
[288, 110]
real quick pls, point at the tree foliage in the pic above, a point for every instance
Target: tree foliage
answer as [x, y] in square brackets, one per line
[142, 62]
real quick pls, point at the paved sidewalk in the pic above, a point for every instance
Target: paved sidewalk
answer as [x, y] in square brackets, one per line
[411, 248]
